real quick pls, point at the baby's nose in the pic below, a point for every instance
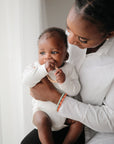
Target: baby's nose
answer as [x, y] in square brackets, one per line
[48, 56]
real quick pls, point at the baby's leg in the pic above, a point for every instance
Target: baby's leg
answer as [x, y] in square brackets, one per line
[75, 130]
[43, 123]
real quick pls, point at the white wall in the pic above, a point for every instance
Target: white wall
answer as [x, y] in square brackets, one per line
[19, 27]
[57, 11]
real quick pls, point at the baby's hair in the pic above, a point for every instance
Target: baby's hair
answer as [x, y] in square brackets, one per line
[53, 31]
[98, 11]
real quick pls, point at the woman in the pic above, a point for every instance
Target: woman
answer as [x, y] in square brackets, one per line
[90, 26]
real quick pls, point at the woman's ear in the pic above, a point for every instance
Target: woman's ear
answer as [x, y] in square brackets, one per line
[67, 56]
[111, 34]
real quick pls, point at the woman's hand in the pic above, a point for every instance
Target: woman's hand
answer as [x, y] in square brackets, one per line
[45, 91]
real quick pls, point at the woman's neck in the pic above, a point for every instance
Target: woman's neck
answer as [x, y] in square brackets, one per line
[92, 50]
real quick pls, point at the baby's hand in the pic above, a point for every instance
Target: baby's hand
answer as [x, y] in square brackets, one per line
[60, 76]
[50, 65]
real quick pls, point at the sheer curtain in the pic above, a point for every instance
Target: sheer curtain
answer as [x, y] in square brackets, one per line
[21, 21]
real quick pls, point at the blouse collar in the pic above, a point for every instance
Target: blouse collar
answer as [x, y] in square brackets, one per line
[104, 49]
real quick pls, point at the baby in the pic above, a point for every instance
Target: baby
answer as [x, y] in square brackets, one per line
[52, 56]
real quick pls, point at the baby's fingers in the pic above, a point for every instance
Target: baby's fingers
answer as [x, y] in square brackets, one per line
[58, 71]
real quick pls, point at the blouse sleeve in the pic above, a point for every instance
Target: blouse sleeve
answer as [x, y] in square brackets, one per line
[98, 118]
[33, 74]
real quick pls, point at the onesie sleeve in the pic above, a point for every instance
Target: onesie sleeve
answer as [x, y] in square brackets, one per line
[33, 74]
[71, 86]
[98, 118]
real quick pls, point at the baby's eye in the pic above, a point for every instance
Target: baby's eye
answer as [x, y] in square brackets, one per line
[54, 52]
[42, 53]
[82, 40]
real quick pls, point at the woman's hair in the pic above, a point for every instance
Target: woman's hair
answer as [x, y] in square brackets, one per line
[53, 32]
[98, 11]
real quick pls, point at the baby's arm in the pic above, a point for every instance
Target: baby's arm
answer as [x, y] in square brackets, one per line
[71, 84]
[33, 74]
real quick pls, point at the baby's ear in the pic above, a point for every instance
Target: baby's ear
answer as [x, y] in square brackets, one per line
[67, 56]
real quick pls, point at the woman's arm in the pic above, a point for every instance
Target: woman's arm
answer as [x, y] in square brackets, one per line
[45, 91]
[98, 118]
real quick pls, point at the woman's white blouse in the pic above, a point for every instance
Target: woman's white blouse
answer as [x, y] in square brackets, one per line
[96, 73]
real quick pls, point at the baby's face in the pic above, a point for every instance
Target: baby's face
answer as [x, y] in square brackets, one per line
[52, 48]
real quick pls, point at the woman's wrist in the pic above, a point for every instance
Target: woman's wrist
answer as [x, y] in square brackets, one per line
[63, 96]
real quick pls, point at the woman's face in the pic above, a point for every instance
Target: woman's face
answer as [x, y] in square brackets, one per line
[82, 32]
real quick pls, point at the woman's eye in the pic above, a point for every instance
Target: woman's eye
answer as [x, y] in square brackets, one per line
[42, 53]
[82, 40]
[54, 52]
